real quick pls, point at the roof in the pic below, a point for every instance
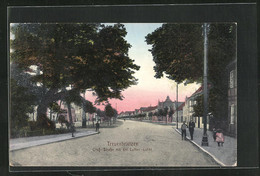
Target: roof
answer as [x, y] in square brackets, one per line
[150, 108]
[181, 106]
[200, 89]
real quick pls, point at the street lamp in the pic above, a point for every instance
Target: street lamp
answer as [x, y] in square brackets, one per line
[83, 114]
[177, 105]
[205, 85]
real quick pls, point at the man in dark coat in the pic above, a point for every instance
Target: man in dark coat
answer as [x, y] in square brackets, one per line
[97, 126]
[191, 128]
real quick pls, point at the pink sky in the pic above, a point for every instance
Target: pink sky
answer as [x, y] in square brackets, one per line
[134, 99]
[149, 89]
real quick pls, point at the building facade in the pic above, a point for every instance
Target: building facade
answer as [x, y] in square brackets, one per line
[188, 111]
[232, 98]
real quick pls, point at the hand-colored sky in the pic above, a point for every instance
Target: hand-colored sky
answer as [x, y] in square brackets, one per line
[149, 89]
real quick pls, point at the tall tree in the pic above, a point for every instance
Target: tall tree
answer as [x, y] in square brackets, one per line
[75, 57]
[165, 113]
[160, 113]
[150, 115]
[109, 111]
[177, 51]
[171, 112]
[21, 104]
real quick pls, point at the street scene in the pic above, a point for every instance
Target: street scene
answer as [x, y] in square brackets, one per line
[130, 94]
[131, 144]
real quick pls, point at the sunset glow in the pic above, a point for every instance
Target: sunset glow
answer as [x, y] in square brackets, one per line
[149, 90]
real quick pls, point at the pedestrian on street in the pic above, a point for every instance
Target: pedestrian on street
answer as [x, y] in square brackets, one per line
[97, 126]
[214, 134]
[191, 128]
[183, 130]
[220, 137]
[72, 129]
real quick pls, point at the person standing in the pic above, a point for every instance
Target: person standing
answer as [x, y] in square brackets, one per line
[183, 130]
[220, 137]
[191, 128]
[97, 126]
[72, 128]
[214, 134]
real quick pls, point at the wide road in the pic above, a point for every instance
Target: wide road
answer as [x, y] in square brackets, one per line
[131, 144]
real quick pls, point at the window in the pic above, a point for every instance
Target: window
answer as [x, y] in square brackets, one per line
[232, 114]
[231, 79]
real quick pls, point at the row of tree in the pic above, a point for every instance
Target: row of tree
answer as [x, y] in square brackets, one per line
[177, 51]
[59, 62]
[160, 113]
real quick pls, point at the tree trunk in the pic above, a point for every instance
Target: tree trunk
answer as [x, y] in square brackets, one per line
[83, 117]
[50, 115]
[41, 110]
[45, 101]
[58, 112]
[69, 111]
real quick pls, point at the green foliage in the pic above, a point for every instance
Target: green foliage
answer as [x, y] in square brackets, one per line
[73, 96]
[100, 113]
[89, 107]
[61, 119]
[110, 112]
[21, 103]
[165, 111]
[177, 51]
[198, 107]
[150, 114]
[45, 123]
[54, 107]
[155, 113]
[160, 112]
[141, 115]
[80, 56]
[171, 112]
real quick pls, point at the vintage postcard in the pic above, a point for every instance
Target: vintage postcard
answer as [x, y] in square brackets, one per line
[123, 94]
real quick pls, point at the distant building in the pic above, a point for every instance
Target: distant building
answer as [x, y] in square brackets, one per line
[180, 113]
[148, 110]
[78, 112]
[188, 111]
[65, 112]
[126, 114]
[171, 106]
[167, 103]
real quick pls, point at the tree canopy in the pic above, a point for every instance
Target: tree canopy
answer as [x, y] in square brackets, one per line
[70, 58]
[109, 111]
[22, 102]
[177, 51]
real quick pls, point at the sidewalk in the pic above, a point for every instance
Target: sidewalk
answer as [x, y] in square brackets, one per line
[225, 156]
[158, 122]
[26, 142]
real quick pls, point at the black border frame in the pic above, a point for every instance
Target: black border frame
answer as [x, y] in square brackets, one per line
[242, 13]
